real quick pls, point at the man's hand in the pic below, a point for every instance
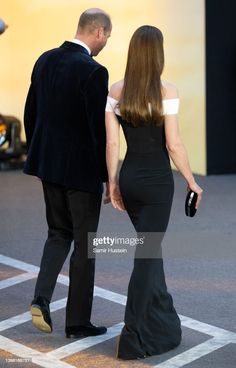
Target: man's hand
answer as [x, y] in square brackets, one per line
[107, 198]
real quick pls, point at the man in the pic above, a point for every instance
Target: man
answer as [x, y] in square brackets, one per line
[65, 131]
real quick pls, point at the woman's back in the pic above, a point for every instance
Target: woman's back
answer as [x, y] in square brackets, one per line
[146, 164]
[147, 137]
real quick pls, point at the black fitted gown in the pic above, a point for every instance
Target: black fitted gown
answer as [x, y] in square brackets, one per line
[152, 325]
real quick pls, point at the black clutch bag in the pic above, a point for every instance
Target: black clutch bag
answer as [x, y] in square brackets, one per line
[190, 204]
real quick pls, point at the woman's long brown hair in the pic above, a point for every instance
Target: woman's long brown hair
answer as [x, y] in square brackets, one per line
[141, 99]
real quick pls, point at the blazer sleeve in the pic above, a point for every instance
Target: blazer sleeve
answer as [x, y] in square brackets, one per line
[95, 98]
[30, 113]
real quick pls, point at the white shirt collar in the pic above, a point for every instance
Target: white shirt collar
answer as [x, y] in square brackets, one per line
[81, 43]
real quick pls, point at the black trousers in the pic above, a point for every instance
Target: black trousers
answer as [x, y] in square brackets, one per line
[71, 214]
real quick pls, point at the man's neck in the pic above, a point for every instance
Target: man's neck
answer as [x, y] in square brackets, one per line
[81, 43]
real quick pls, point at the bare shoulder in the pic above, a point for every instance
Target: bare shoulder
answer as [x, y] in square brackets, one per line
[169, 90]
[115, 90]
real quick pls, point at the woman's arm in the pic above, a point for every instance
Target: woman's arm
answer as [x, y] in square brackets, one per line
[112, 158]
[112, 146]
[177, 151]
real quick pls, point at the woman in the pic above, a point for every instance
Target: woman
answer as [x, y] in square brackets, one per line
[146, 107]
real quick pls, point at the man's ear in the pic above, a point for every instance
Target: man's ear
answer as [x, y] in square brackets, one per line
[100, 32]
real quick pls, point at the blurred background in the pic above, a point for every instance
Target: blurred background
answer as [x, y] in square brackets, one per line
[200, 45]
[38, 25]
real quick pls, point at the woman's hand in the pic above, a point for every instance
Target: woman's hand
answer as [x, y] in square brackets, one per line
[115, 196]
[197, 189]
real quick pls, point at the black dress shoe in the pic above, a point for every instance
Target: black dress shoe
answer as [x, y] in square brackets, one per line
[41, 314]
[83, 331]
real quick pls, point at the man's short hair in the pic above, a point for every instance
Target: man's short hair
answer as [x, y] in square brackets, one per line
[89, 21]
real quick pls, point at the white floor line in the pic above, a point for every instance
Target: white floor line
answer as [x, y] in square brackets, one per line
[8, 261]
[207, 329]
[63, 279]
[192, 354]
[11, 281]
[14, 321]
[35, 356]
[88, 342]
[110, 295]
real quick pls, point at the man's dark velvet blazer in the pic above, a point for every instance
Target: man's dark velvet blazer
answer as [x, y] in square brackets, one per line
[65, 119]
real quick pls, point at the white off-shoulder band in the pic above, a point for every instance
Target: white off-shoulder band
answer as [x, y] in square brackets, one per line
[170, 106]
[112, 105]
